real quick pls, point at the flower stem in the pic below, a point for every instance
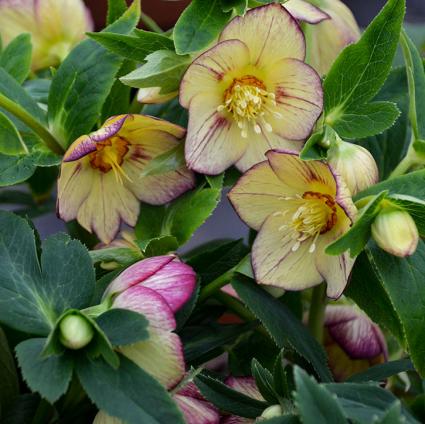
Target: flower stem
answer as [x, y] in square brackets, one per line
[235, 306]
[316, 317]
[150, 23]
[215, 285]
[411, 159]
[27, 119]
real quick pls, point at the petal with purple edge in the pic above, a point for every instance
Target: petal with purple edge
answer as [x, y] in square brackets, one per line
[305, 11]
[214, 142]
[175, 282]
[270, 32]
[302, 175]
[299, 98]
[245, 385]
[137, 273]
[258, 194]
[233, 419]
[277, 262]
[212, 72]
[197, 411]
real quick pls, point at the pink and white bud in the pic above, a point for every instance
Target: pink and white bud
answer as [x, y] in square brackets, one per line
[328, 38]
[353, 342]
[395, 231]
[355, 164]
[75, 331]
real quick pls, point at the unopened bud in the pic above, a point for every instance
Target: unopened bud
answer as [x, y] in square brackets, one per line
[75, 332]
[395, 231]
[272, 412]
[355, 164]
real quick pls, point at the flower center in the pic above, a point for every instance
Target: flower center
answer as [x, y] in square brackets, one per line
[109, 155]
[316, 215]
[249, 102]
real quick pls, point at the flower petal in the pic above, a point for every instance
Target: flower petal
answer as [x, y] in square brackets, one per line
[151, 95]
[245, 385]
[213, 143]
[103, 418]
[258, 194]
[197, 411]
[299, 98]
[137, 273]
[302, 175]
[270, 32]
[275, 263]
[305, 11]
[211, 73]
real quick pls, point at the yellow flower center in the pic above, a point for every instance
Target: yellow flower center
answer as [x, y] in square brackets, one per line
[109, 155]
[249, 102]
[315, 215]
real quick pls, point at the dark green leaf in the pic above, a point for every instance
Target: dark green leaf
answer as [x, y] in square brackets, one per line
[383, 371]
[115, 9]
[393, 414]
[264, 382]
[229, 400]
[123, 327]
[9, 383]
[133, 47]
[129, 393]
[49, 376]
[171, 111]
[38, 89]
[312, 149]
[121, 255]
[199, 25]
[159, 246]
[16, 57]
[74, 107]
[22, 410]
[315, 404]
[356, 238]
[11, 142]
[285, 329]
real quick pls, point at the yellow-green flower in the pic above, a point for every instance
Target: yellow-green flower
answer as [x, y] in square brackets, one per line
[55, 27]
[298, 208]
[101, 180]
[327, 39]
[249, 93]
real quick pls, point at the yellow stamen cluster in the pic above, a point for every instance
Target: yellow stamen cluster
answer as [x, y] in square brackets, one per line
[109, 155]
[315, 215]
[248, 101]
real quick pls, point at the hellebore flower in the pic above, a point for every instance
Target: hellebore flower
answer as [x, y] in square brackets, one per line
[355, 164]
[305, 11]
[249, 93]
[298, 208]
[328, 38]
[101, 179]
[56, 26]
[353, 342]
[395, 231]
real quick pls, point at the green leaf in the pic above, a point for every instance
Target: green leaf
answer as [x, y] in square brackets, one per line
[382, 371]
[163, 69]
[312, 149]
[402, 280]
[229, 400]
[366, 120]
[393, 414]
[9, 383]
[74, 107]
[264, 382]
[115, 9]
[11, 142]
[239, 6]
[283, 382]
[133, 47]
[171, 160]
[122, 255]
[48, 376]
[16, 57]
[159, 246]
[367, 291]
[358, 235]
[128, 393]
[199, 25]
[34, 294]
[285, 329]
[38, 89]
[362, 68]
[360, 402]
[315, 404]
[123, 327]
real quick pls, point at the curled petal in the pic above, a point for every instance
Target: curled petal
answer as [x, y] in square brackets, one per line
[305, 11]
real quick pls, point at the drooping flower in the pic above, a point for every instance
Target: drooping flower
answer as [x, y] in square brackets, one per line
[395, 231]
[328, 38]
[249, 93]
[353, 342]
[101, 179]
[56, 26]
[158, 287]
[355, 164]
[298, 208]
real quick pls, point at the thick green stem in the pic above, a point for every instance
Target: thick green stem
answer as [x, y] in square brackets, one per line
[316, 317]
[215, 285]
[150, 23]
[27, 119]
[411, 159]
[235, 306]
